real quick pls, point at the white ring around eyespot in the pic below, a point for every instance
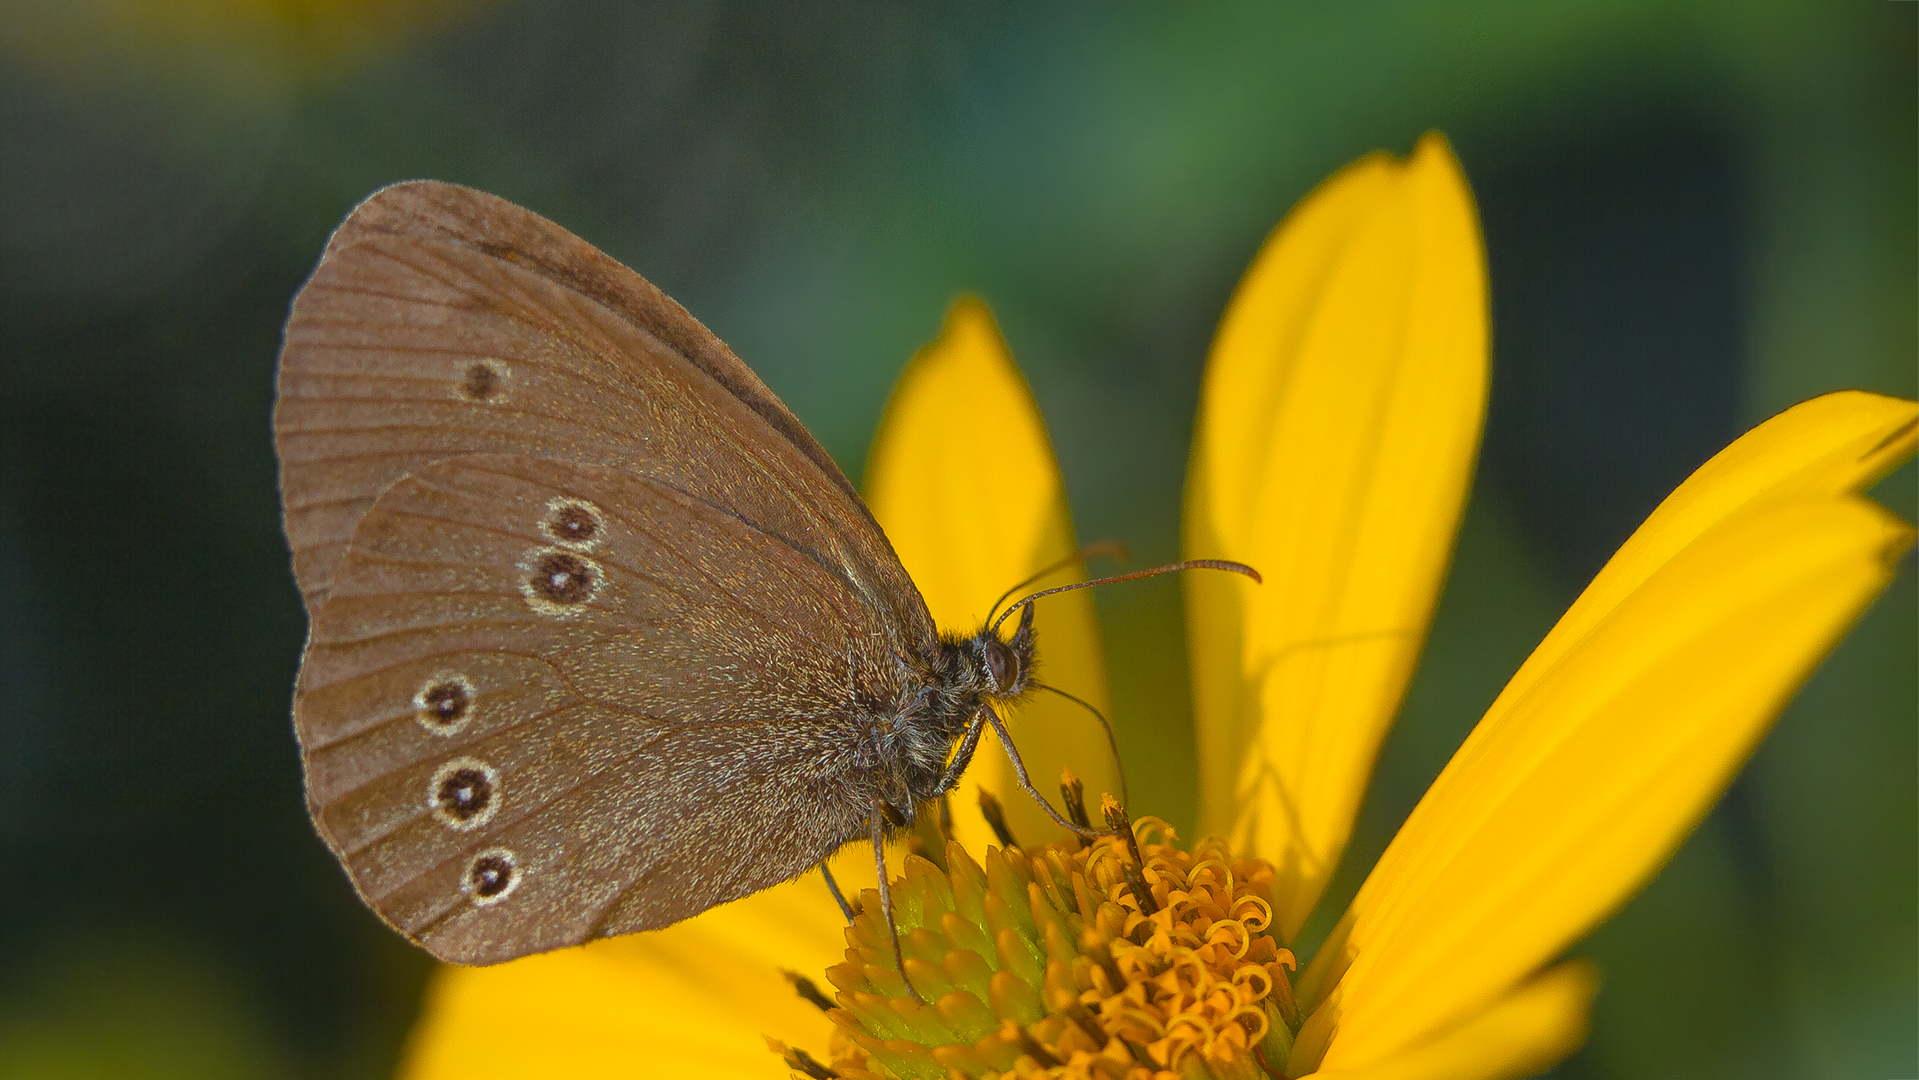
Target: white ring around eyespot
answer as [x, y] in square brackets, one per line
[423, 714]
[447, 817]
[567, 609]
[564, 502]
[512, 882]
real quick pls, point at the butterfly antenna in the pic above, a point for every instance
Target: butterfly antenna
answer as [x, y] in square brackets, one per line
[1112, 741]
[1098, 549]
[1189, 564]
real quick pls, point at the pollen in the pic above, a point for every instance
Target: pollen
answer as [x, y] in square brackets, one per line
[1117, 960]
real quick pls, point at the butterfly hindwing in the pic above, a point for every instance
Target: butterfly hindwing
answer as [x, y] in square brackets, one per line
[633, 703]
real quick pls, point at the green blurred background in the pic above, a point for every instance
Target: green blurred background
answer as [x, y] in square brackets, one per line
[1696, 215]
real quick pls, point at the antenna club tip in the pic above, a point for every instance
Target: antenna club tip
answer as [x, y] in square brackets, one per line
[1233, 565]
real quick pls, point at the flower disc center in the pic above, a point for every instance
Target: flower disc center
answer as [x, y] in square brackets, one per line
[1111, 960]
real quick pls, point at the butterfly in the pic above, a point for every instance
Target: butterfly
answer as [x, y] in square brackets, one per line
[600, 636]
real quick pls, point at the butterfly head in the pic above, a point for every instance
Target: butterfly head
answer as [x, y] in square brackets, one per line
[1004, 666]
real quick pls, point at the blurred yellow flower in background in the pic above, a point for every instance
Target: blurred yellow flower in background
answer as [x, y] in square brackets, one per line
[1339, 423]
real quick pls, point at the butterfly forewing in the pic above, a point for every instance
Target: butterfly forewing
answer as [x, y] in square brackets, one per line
[485, 223]
[442, 321]
[627, 698]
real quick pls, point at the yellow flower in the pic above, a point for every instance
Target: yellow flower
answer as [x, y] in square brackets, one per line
[1338, 427]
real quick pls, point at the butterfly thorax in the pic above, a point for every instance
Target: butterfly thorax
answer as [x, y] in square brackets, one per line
[969, 674]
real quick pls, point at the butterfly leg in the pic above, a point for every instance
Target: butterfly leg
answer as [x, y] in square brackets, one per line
[834, 888]
[1026, 783]
[877, 825]
[961, 758]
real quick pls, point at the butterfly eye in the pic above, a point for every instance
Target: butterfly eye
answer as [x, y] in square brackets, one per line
[1001, 664]
[491, 876]
[464, 793]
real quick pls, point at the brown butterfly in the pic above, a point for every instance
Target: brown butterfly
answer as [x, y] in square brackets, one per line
[600, 636]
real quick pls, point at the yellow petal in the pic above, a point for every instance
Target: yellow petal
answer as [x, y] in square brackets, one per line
[963, 480]
[1530, 1029]
[1575, 788]
[1834, 443]
[694, 999]
[1338, 425]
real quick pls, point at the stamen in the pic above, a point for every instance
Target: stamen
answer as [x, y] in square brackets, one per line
[1073, 791]
[1116, 820]
[996, 818]
[801, 1061]
[943, 817]
[809, 990]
